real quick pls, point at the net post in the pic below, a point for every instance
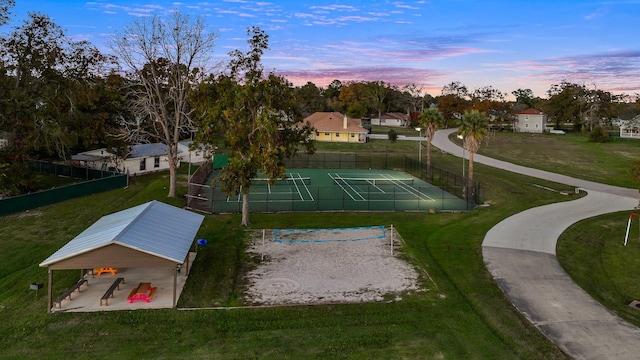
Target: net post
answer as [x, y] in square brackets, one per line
[264, 231]
[391, 239]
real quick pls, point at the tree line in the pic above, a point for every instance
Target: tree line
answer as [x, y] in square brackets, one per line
[60, 97]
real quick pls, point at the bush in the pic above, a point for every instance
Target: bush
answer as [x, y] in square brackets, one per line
[393, 135]
[599, 134]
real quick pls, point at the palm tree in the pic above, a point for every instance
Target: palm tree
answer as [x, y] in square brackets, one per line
[472, 130]
[431, 120]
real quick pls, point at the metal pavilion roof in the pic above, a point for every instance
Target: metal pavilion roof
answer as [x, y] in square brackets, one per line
[154, 228]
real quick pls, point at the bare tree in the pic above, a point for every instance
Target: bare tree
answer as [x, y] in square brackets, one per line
[163, 58]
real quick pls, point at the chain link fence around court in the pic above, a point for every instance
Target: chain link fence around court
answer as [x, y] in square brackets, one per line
[445, 191]
[448, 181]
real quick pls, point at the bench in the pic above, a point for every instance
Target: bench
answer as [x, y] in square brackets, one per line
[67, 293]
[109, 292]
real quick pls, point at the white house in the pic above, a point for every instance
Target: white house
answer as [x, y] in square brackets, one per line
[391, 119]
[630, 129]
[530, 121]
[143, 159]
[195, 157]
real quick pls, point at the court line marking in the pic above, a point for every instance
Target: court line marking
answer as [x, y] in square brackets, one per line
[337, 176]
[295, 178]
[410, 189]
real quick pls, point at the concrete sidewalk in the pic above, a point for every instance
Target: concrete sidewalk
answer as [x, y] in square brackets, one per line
[519, 252]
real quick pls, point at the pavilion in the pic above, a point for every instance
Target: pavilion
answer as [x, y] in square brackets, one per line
[151, 235]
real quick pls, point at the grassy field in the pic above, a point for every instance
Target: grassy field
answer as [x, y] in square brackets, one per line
[571, 154]
[593, 254]
[465, 317]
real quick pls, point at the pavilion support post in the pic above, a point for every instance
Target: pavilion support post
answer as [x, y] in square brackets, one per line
[175, 286]
[49, 290]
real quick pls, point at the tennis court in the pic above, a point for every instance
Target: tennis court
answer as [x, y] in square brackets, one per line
[336, 190]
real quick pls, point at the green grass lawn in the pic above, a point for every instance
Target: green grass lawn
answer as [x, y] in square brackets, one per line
[593, 254]
[407, 147]
[467, 317]
[570, 154]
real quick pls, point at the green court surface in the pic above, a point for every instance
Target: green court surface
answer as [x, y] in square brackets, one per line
[336, 190]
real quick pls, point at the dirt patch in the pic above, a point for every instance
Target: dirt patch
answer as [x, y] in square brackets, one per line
[328, 266]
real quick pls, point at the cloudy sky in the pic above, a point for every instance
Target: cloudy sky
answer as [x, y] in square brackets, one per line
[505, 44]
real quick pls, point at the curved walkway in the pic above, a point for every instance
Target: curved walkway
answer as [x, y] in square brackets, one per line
[520, 254]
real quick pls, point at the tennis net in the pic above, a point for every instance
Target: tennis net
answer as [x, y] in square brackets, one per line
[280, 181]
[372, 181]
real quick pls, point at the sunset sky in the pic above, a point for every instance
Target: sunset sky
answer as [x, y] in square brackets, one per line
[504, 44]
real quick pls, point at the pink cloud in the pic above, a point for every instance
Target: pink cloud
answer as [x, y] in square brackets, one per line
[398, 76]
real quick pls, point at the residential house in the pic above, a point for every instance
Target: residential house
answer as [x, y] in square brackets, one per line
[197, 156]
[530, 121]
[391, 119]
[630, 129]
[336, 127]
[142, 159]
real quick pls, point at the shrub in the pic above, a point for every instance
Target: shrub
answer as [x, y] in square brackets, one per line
[599, 134]
[393, 135]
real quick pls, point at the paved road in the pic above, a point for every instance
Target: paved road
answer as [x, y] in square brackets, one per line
[520, 254]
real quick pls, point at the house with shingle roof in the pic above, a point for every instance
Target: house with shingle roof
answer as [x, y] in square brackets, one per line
[336, 127]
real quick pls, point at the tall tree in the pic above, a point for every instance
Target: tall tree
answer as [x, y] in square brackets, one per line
[5, 7]
[565, 104]
[332, 94]
[597, 106]
[165, 58]
[259, 118]
[453, 101]
[310, 99]
[431, 120]
[413, 98]
[353, 100]
[48, 82]
[376, 94]
[526, 98]
[473, 130]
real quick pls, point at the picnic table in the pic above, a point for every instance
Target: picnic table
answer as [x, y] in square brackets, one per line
[102, 270]
[144, 291]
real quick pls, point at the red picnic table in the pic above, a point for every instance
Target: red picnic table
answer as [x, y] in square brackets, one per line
[144, 291]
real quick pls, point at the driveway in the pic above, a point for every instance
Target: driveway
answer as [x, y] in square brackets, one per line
[520, 254]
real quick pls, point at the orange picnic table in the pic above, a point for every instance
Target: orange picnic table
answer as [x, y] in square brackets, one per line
[102, 270]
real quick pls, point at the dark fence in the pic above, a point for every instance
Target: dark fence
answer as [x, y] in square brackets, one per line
[195, 185]
[451, 182]
[95, 181]
[80, 173]
[326, 198]
[451, 187]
